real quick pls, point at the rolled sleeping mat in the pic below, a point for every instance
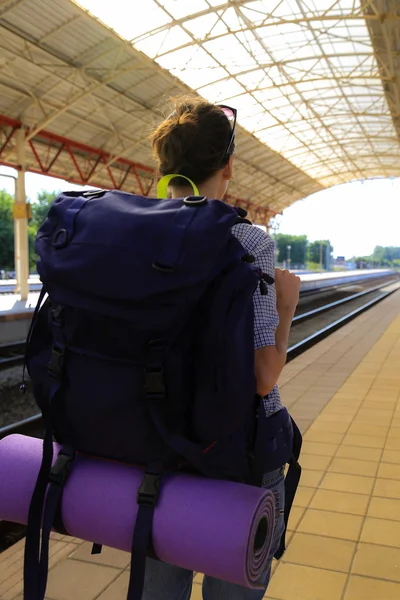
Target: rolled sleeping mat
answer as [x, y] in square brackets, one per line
[216, 527]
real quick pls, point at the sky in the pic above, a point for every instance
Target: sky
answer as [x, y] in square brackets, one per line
[355, 217]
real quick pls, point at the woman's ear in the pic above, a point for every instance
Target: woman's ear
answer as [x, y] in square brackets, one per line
[228, 169]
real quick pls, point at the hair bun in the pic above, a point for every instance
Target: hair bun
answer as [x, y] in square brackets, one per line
[192, 140]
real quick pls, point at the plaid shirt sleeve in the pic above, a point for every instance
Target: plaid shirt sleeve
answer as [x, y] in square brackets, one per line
[260, 245]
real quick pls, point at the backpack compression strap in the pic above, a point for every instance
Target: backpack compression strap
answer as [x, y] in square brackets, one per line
[278, 442]
[291, 483]
[155, 394]
[36, 555]
[58, 477]
[32, 543]
[148, 492]
[147, 498]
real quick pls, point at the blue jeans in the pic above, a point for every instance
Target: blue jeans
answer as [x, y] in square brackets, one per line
[167, 582]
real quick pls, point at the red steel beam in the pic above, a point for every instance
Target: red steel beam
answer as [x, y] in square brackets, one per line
[77, 167]
[53, 161]
[36, 155]
[7, 140]
[72, 147]
[72, 144]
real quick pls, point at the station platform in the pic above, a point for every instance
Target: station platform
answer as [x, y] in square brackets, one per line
[319, 281]
[344, 530]
[7, 286]
[13, 308]
[15, 316]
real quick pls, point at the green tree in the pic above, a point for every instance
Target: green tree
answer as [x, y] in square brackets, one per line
[363, 262]
[384, 256]
[298, 248]
[391, 253]
[315, 251]
[6, 231]
[41, 206]
[378, 254]
[39, 212]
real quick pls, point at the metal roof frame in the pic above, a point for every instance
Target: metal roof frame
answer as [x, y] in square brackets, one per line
[318, 98]
[54, 154]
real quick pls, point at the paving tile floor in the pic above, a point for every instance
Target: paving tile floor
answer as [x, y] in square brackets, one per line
[346, 544]
[344, 530]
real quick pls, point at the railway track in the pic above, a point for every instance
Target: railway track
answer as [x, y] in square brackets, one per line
[11, 355]
[311, 326]
[338, 313]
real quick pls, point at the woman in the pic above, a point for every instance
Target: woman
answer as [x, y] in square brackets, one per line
[196, 142]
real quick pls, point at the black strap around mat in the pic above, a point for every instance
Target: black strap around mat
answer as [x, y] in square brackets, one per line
[147, 499]
[291, 483]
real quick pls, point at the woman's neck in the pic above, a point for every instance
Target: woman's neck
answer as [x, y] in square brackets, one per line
[209, 188]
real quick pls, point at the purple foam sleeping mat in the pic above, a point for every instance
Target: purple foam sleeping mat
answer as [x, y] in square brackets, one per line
[220, 528]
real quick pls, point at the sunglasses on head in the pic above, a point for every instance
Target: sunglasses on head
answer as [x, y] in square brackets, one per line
[231, 114]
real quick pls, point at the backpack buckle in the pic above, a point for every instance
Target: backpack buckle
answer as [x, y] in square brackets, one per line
[154, 382]
[242, 212]
[57, 316]
[163, 268]
[195, 200]
[94, 193]
[56, 364]
[149, 490]
[61, 468]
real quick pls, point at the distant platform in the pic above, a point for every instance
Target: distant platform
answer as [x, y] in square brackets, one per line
[319, 281]
[7, 286]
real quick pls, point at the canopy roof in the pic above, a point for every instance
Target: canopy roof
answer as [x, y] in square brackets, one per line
[316, 84]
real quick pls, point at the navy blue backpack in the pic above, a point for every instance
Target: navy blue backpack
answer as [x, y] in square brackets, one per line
[141, 351]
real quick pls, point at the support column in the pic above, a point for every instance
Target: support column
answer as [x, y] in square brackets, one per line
[21, 249]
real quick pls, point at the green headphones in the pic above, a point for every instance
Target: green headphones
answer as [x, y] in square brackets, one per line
[162, 186]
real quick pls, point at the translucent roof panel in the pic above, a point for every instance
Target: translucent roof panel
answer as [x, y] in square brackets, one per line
[315, 80]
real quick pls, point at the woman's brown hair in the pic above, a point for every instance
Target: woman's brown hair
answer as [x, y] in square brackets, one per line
[192, 141]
